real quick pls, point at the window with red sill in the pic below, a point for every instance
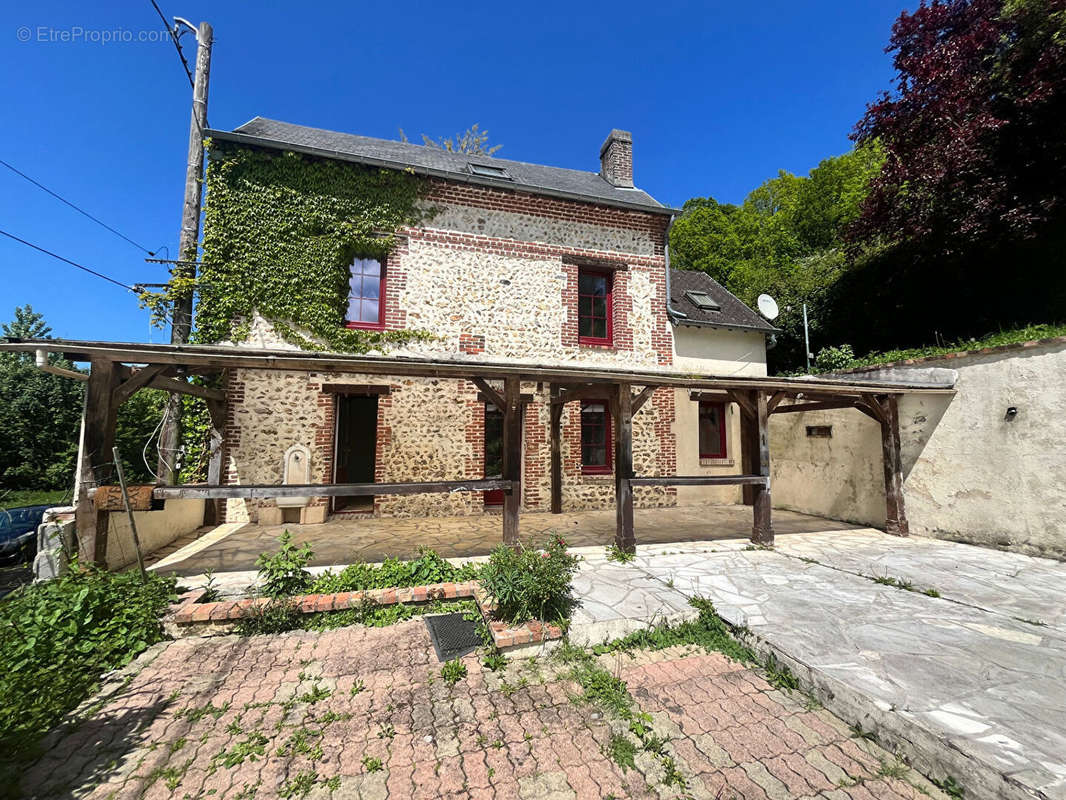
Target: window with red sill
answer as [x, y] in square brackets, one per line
[712, 429]
[366, 294]
[595, 438]
[594, 306]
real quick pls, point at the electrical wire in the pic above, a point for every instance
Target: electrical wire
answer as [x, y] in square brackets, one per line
[76, 208]
[177, 44]
[82, 267]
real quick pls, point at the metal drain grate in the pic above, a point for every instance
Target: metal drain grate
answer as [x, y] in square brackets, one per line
[453, 636]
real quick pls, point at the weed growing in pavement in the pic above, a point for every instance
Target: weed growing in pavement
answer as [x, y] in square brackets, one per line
[372, 764]
[357, 687]
[315, 694]
[495, 661]
[302, 741]
[858, 733]
[931, 593]
[248, 791]
[196, 713]
[250, 749]
[621, 750]
[278, 615]
[373, 615]
[898, 769]
[1038, 622]
[950, 787]
[779, 675]
[386, 731]
[901, 583]
[508, 689]
[300, 785]
[453, 671]
[617, 554]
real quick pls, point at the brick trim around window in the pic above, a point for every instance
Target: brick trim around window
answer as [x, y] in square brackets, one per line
[382, 286]
[585, 299]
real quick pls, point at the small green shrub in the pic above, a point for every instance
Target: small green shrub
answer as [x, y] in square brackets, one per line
[453, 671]
[283, 573]
[531, 584]
[831, 359]
[621, 750]
[617, 554]
[57, 638]
[495, 661]
[428, 568]
[279, 615]
[372, 764]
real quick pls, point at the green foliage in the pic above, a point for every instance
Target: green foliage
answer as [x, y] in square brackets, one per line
[428, 568]
[34, 497]
[453, 671]
[374, 616]
[283, 574]
[708, 631]
[621, 750]
[372, 764]
[58, 638]
[278, 615]
[834, 359]
[280, 231]
[617, 554]
[951, 787]
[779, 675]
[495, 661]
[531, 584]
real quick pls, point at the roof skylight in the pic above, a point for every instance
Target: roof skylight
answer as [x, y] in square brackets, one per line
[486, 171]
[703, 301]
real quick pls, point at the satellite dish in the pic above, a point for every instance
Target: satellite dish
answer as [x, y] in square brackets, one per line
[768, 306]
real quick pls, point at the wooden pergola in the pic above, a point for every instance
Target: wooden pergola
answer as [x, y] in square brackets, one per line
[118, 370]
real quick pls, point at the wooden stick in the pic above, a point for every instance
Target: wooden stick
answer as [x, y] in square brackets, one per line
[129, 513]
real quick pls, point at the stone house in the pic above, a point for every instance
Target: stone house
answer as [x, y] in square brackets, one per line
[520, 263]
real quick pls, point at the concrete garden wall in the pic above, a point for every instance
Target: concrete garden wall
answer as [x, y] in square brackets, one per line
[971, 473]
[155, 529]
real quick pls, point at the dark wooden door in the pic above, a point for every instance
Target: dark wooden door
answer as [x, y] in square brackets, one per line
[357, 429]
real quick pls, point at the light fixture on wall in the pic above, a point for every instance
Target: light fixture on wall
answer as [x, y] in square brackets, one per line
[1012, 412]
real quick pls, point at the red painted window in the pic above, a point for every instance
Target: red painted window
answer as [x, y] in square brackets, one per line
[366, 294]
[712, 429]
[594, 305]
[596, 456]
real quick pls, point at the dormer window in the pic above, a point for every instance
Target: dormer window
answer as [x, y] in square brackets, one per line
[489, 171]
[703, 301]
[366, 294]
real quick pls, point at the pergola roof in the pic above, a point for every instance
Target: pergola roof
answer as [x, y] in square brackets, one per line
[214, 357]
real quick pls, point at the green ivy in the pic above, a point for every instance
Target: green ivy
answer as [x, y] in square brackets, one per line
[280, 230]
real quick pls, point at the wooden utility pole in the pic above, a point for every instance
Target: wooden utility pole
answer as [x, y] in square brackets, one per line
[181, 325]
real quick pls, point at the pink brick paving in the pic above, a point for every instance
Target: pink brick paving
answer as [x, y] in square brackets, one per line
[272, 716]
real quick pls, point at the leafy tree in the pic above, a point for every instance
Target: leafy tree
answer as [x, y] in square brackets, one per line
[472, 141]
[973, 131]
[40, 417]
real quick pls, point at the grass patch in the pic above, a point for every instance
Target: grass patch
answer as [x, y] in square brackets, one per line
[708, 631]
[428, 568]
[16, 498]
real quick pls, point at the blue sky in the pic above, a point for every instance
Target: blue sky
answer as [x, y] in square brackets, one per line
[719, 96]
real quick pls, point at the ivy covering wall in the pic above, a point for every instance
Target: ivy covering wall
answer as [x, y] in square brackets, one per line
[280, 230]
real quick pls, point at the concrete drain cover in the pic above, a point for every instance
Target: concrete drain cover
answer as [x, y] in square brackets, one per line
[453, 636]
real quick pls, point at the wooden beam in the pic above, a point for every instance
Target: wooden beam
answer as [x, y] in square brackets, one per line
[825, 405]
[749, 449]
[895, 512]
[268, 491]
[762, 529]
[356, 389]
[585, 392]
[98, 439]
[556, 414]
[871, 406]
[775, 401]
[512, 458]
[642, 398]
[711, 397]
[624, 537]
[175, 386]
[744, 399]
[493, 396]
[484, 398]
[137, 380]
[701, 480]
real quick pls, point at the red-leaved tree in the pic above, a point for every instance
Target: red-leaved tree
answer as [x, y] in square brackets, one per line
[975, 131]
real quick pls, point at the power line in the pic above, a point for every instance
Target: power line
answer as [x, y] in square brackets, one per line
[76, 208]
[174, 38]
[68, 261]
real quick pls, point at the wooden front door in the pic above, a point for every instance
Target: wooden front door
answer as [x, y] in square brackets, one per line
[357, 433]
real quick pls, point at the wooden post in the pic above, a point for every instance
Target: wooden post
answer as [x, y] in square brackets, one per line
[625, 538]
[895, 513]
[762, 530]
[98, 439]
[181, 324]
[749, 451]
[556, 412]
[129, 513]
[512, 457]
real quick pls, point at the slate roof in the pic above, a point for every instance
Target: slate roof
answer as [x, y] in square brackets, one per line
[535, 178]
[733, 313]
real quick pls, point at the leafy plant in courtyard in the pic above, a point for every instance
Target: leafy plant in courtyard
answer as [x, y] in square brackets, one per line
[531, 584]
[453, 671]
[284, 573]
[428, 568]
[58, 638]
[621, 750]
[617, 554]
[278, 615]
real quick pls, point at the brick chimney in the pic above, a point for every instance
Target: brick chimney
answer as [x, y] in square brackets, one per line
[616, 159]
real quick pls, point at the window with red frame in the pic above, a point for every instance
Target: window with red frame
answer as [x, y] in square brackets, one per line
[712, 430]
[594, 304]
[595, 437]
[366, 294]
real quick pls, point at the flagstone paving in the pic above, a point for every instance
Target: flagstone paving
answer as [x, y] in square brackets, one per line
[971, 682]
[364, 713]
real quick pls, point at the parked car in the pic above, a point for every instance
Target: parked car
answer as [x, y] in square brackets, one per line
[18, 532]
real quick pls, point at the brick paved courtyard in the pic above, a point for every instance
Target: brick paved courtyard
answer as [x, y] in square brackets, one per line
[364, 713]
